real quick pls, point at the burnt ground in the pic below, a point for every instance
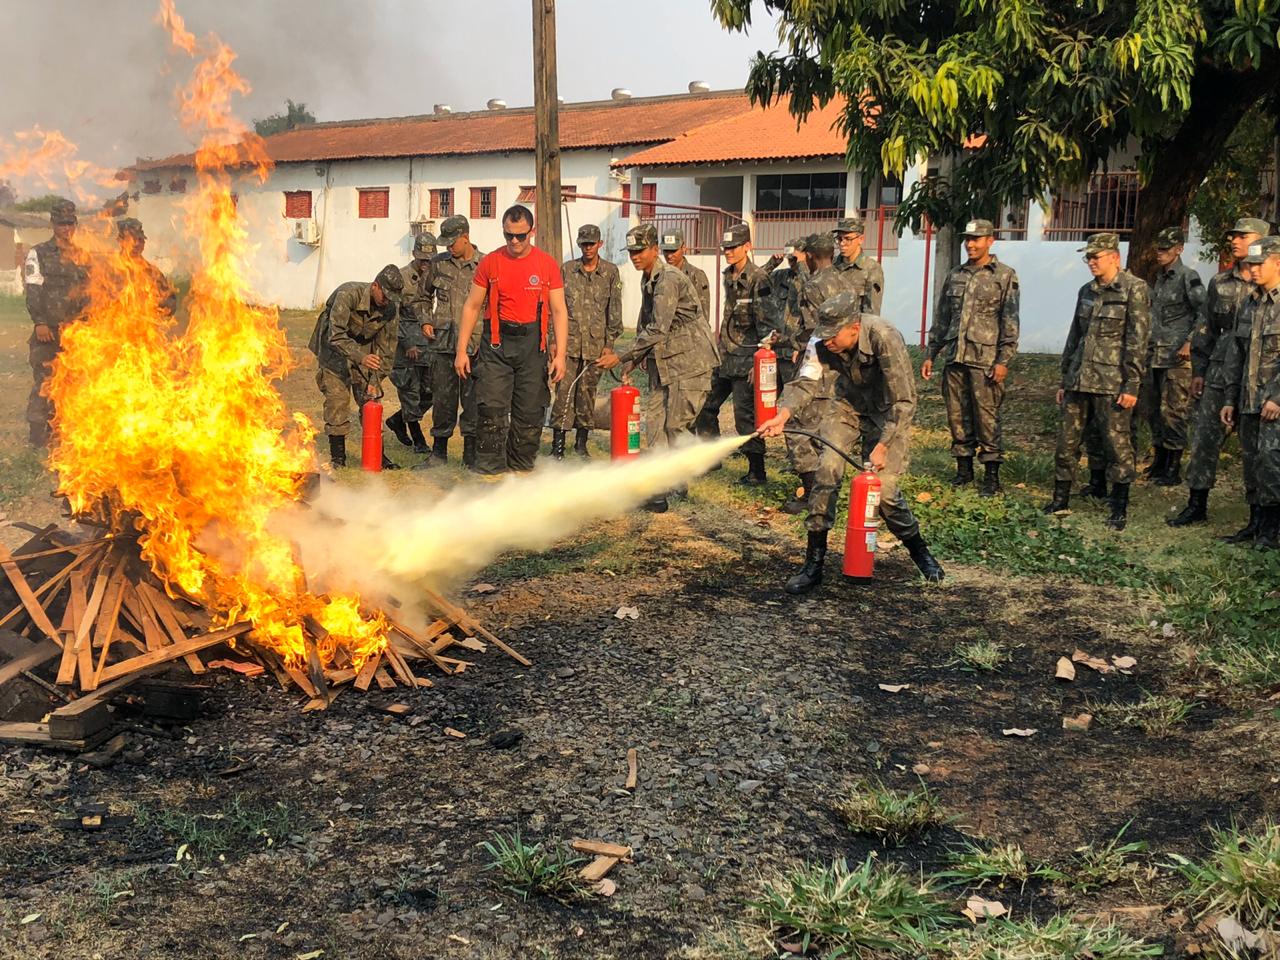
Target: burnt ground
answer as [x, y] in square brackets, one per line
[751, 711]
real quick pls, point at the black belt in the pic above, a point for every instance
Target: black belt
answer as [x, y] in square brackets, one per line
[513, 329]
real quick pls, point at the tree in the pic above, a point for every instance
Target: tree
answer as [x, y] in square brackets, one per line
[1044, 92]
[8, 196]
[38, 204]
[1237, 185]
[295, 115]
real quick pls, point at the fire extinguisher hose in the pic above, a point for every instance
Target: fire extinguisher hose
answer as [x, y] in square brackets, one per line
[824, 441]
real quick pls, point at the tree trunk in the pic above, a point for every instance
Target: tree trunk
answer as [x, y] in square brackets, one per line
[1218, 103]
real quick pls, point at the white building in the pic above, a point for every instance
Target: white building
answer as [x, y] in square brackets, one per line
[19, 232]
[345, 198]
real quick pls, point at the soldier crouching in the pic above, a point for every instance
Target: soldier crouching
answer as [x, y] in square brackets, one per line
[855, 386]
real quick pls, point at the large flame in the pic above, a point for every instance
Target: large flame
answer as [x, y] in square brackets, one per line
[183, 434]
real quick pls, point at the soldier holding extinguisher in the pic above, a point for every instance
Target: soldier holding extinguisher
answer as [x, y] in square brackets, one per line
[856, 388]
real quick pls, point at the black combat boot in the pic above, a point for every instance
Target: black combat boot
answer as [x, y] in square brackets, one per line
[1061, 497]
[396, 424]
[1196, 510]
[1096, 488]
[964, 472]
[337, 451]
[656, 504]
[815, 555]
[1119, 506]
[415, 434]
[1172, 475]
[468, 451]
[557, 444]
[440, 449]
[388, 463]
[754, 477]
[580, 444]
[1249, 530]
[930, 569]
[1268, 537]
[1159, 459]
[991, 479]
[799, 503]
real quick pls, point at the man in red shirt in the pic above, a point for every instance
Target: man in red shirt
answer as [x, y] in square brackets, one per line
[513, 364]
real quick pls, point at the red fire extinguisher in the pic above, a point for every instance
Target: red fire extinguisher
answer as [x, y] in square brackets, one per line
[864, 517]
[624, 422]
[766, 381]
[371, 434]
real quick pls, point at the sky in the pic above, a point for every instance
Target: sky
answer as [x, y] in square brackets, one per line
[102, 71]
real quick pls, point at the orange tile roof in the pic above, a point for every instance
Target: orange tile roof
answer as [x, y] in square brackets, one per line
[600, 124]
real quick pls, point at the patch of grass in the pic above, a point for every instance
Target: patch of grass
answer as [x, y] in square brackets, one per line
[1156, 715]
[110, 887]
[529, 869]
[975, 866]
[1094, 866]
[1059, 938]
[870, 910]
[986, 655]
[1241, 876]
[205, 835]
[894, 817]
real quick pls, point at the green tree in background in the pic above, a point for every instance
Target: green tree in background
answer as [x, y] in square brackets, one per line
[1240, 184]
[1050, 88]
[295, 115]
[38, 204]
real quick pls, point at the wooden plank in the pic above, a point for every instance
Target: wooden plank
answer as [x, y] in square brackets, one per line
[50, 586]
[136, 602]
[470, 625]
[304, 682]
[633, 764]
[365, 676]
[76, 605]
[42, 653]
[27, 596]
[105, 632]
[597, 868]
[37, 735]
[194, 663]
[599, 848]
[399, 667]
[85, 716]
[165, 612]
[422, 642]
[383, 679]
[176, 650]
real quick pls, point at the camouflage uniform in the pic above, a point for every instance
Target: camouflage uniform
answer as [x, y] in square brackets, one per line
[350, 327]
[54, 277]
[166, 295]
[411, 376]
[674, 240]
[452, 283]
[864, 278]
[1177, 308]
[818, 288]
[594, 299]
[786, 285]
[975, 327]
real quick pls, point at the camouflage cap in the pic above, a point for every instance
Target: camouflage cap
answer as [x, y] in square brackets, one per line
[452, 228]
[851, 225]
[671, 239]
[1251, 225]
[798, 245]
[835, 314]
[1168, 238]
[62, 212]
[642, 237]
[1101, 243]
[390, 280]
[588, 233]
[979, 228]
[424, 246]
[735, 236]
[130, 225]
[1259, 250]
[821, 245]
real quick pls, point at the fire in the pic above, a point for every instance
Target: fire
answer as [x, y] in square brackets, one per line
[47, 158]
[181, 435]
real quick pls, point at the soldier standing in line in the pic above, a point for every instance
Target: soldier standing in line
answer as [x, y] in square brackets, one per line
[1251, 381]
[354, 341]
[1227, 291]
[676, 253]
[454, 268]
[673, 343]
[593, 296]
[787, 283]
[54, 280]
[411, 372]
[858, 373]
[1101, 373]
[975, 333]
[746, 323]
[1177, 308]
[859, 273]
[133, 241]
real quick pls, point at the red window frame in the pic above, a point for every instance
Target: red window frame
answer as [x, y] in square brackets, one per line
[297, 204]
[375, 203]
[568, 193]
[479, 200]
[648, 195]
[442, 203]
[527, 195]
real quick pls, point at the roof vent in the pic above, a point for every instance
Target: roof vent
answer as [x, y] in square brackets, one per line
[620, 93]
[699, 86]
[442, 108]
[497, 104]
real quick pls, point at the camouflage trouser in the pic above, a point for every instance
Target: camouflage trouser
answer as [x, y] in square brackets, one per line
[840, 425]
[973, 412]
[39, 408]
[447, 391]
[413, 386]
[338, 392]
[1099, 410]
[511, 399]
[1207, 437]
[1165, 402]
[803, 452]
[670, 409]
[582, 416]
[744, 410]
[1260, 441]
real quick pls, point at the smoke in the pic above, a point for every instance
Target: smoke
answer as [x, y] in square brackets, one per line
[376, 541]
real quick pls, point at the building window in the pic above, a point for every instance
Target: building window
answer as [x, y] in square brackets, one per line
[375, 204]
[150, 186]
[800, 191]
[527, 195]
[1109, 202]
[568, 193]
[483, 203]
[297, 204]
[178, 185]
[648, 191]
[441, 203]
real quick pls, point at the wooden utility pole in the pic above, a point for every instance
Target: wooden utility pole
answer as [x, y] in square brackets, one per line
[546, 137]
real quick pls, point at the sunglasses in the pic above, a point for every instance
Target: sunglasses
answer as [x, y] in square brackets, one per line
[518, 237]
